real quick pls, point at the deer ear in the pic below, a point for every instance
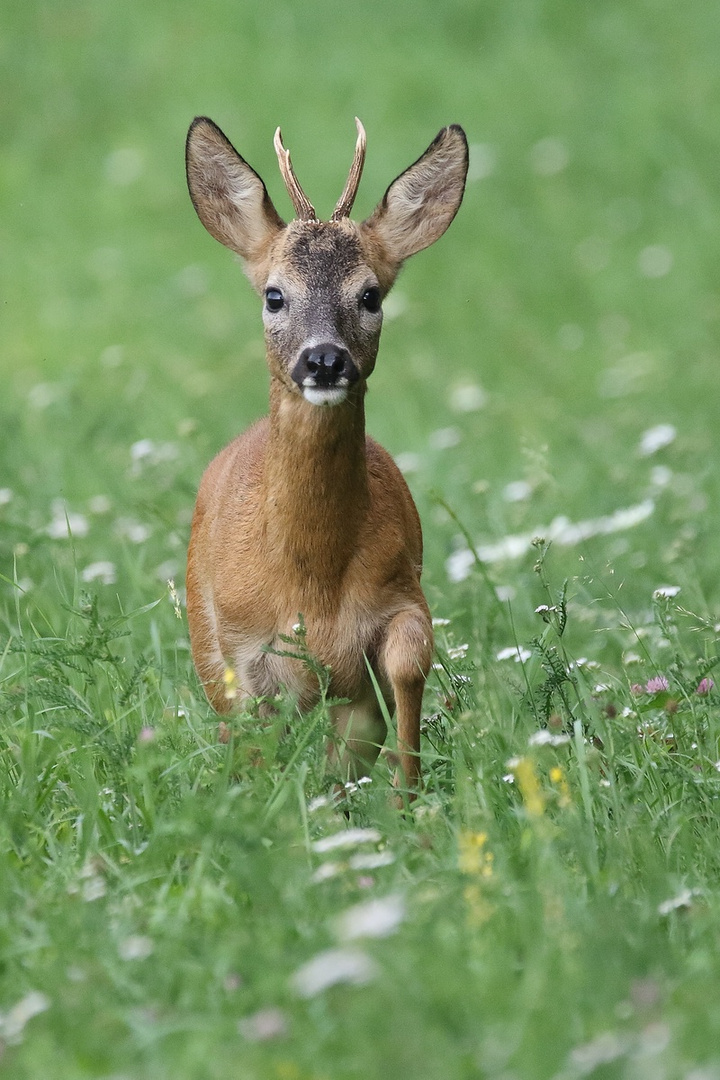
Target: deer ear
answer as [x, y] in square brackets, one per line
[230, 198]
[418, 207]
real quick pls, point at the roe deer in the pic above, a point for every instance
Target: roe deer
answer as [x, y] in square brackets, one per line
[304, 516]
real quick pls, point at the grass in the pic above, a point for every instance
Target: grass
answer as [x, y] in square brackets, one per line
[169, 904]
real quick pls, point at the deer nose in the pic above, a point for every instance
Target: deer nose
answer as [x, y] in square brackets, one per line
[325, 366]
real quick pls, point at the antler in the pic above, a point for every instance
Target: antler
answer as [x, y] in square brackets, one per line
[346, 200]
[303, 207]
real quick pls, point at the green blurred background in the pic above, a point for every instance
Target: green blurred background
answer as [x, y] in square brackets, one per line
[576, 293]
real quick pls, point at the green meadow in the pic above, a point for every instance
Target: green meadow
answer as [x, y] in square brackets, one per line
[183, 900]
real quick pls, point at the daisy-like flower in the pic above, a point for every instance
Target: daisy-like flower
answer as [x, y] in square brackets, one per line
[347, 838]
[135, 947]
[102, 571]
[514, 652]
[377, 918]
[332, 967]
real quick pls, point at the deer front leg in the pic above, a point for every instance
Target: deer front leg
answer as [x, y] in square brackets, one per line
[405, 658]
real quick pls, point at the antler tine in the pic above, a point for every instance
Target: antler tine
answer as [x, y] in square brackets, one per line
[303, 207]
[346, 200]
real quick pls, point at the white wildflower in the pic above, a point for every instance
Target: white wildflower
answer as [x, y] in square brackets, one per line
[605, 1048]
[666, 592]
[467, 397]
[94, 888]
[44, 394]
[99, 504]
[332, 967]
[408, 462]
[547, 738]
[459, 564]
[517, 491]
[134, 531]
[166, 570]
[514, 652]
[326, 871]
[676, 903]
[147, 452]
[394, 305]
[660, 476]
[135, 947]
[5, 496]
[441, 622]
[509, 547]
[655, 1039]
[377, 918]
[560, 531]
[318, 803]
[457, 652]
[143, 448]
[656, 438]
[348, 838]
[370, 860]
[444, 438]
[353, 786]
[14, 1020]
[66, 524]
[102, 571]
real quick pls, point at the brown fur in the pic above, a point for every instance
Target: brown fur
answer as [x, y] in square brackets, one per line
[304, 515]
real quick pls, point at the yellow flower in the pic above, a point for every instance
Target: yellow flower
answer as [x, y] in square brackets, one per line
[231, 687]
[472, 856]
[557, 777]
[523, 770]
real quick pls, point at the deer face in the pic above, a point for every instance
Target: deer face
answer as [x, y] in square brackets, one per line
[323, 282]
[322, 311]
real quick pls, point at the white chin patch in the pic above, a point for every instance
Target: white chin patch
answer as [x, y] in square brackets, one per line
[330, 396]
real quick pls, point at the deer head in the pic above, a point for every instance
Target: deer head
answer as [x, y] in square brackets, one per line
[323, 282]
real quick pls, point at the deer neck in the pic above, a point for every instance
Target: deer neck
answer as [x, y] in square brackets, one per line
[316, 484]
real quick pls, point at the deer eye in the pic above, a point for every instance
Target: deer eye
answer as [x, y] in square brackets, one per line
[371, 299]
[274, 299]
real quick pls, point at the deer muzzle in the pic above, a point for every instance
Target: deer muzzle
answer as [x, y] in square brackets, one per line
[325, 373]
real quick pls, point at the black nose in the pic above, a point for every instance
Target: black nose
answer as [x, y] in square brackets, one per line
[325, 366]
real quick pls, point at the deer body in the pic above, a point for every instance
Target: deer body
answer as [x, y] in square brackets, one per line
[304, 516]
